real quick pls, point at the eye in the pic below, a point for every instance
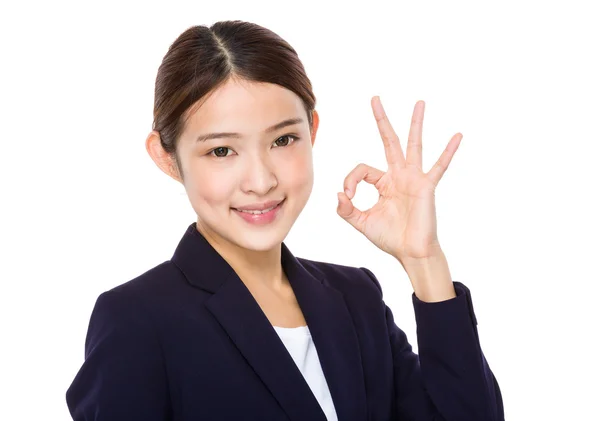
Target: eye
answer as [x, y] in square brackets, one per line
[288, 136]
[220, 152]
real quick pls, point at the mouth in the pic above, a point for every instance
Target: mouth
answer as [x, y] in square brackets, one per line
[257, 212]
[261, 211]
[264, 216]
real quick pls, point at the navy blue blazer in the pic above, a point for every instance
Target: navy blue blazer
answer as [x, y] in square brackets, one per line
[186, 341]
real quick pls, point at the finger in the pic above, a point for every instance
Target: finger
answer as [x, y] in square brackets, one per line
[348, 212]
[414, 147]
[361, 172]
[440, 167]
[391, 143]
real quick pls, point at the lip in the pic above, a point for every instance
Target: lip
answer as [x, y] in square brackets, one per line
[262, 218]
[259, 206]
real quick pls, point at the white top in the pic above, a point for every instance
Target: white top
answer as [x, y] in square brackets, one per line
[299, 344]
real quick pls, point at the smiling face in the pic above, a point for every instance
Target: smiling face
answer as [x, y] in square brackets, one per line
[258, 164]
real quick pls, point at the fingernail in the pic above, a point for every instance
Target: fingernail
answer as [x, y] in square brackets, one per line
[347, 192]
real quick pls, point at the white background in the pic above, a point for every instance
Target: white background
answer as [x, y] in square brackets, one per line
[85, 209]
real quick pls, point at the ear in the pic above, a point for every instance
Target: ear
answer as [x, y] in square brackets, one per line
[315, 127]
[161, 158]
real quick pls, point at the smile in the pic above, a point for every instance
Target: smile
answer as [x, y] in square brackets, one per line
[257, 212]
[260, 217]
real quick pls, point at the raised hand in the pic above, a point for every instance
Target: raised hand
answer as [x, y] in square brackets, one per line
[403, 221]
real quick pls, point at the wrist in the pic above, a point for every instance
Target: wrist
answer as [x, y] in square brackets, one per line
[430, 277]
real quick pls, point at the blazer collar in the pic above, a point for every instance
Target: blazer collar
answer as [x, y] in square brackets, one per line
[326, 314]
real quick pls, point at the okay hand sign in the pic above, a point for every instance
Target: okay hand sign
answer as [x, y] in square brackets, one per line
[403, 221]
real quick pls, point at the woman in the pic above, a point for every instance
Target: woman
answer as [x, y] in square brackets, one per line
[234, 326]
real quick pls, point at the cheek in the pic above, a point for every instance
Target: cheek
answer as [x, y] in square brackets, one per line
[210, 187]
[299, 172]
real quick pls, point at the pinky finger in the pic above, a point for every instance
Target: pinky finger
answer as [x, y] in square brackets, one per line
[442, 164]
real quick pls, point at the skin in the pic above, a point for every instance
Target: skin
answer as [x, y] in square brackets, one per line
[259, 167]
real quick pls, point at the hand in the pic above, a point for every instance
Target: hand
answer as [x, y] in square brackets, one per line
[403, 221]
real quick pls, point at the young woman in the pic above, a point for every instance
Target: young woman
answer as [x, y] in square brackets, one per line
[234, 326]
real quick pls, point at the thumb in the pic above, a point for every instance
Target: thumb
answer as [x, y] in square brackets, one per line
[347, 211]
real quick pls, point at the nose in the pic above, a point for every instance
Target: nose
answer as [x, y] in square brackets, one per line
[259, 175]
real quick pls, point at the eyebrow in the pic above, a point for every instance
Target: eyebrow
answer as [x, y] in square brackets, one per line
[284, 123]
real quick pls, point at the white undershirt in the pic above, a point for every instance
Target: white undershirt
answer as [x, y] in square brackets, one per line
[299, 344]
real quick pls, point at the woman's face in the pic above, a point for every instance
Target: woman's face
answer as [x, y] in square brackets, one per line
[255, 165]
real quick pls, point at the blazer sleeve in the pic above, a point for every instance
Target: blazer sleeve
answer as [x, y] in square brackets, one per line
[123, 375]
[450, 379]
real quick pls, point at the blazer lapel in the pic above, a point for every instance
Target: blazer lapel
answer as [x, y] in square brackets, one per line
[334, 336]
[250, 330]
[241, 317]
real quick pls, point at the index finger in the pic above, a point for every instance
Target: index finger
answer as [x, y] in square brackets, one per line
[391, 143]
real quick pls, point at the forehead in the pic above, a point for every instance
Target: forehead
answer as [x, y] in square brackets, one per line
[245, 106]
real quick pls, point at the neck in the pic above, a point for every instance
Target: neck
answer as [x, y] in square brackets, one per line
[262, 268]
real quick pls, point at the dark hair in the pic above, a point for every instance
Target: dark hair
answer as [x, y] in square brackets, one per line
[203, 58]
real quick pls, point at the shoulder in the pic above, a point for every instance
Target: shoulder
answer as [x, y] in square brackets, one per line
[137, 304]
[139, 297]
[155, 281]
[343, 277]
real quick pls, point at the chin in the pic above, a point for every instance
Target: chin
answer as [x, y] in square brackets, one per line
[260, 241]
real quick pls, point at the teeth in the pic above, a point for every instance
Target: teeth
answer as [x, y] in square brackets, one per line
[257, 212]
